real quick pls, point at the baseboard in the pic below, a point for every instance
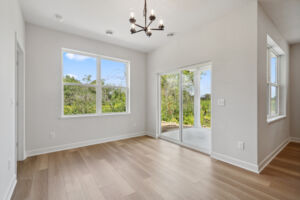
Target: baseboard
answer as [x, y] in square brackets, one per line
[150, 134]
[40, 151]
[236, 162]
[272, 155]
[295, 139]
[11, 188]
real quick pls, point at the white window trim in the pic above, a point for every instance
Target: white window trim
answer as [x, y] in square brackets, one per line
[98, 86]
[277, 84]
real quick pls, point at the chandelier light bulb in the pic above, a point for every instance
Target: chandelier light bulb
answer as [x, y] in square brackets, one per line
[132, 20]
[148, 32]
[152, 16]
[132, 29]
[161, 25]
[132, 15]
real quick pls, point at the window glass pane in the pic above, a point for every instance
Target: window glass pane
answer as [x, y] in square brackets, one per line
[274, 100]
[79, 68]
[79, 100]
[169, 84]
[113, 73]
[113, 99]
[205, 93]
[273, 68]
[188, 95]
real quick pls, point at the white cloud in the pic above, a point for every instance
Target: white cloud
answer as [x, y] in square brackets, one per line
[76, 57]
[72, 75]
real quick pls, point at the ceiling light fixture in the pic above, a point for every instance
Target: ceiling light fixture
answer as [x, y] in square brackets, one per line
[145, 28]
[109, 32]
[170, 34]
[59, 18]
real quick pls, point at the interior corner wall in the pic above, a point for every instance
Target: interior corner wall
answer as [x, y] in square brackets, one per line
[295, 91]
[270, 135]
[230, 43]
[11, 26]
[44, 100]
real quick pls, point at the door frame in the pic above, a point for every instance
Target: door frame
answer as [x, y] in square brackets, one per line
[19, 101]
[204, 66]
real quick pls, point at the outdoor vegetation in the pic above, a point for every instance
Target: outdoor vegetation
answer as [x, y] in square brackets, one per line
[81, 98]
[170, 101]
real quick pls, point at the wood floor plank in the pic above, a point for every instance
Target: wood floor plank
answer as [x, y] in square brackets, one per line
[144, 168]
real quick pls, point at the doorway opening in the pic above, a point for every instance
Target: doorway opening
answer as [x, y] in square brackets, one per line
[185, 107]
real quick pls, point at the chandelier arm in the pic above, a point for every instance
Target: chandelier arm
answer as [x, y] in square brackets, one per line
[156, 29]
[139, 30]
[140, 26]
[149, 24]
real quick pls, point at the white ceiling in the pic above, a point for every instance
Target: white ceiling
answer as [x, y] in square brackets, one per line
[285, 14]
[91, 18]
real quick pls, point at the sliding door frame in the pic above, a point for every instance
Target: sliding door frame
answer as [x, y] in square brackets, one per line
[203, 66]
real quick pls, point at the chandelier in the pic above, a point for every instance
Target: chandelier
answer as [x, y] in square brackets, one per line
[145, 28]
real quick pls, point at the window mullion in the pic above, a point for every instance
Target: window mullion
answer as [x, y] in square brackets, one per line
[277, 99]
[127, 88]
[269, 99]
[99, 88]
[268, 66]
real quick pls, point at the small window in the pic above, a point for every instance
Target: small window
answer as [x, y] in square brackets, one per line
[277, 81]
[93, 84]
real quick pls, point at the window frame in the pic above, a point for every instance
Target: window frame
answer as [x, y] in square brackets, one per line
[270, 84]
[98, 84]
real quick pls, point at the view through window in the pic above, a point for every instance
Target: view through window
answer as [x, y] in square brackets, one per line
[94, 84]
[273, 83]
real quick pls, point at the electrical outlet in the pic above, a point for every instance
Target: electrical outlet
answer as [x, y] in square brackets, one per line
[241, 145]
[52, 134]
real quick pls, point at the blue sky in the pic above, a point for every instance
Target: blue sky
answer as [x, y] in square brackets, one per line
[205, 83]
[273, 69]
[112, 72]
[79, 66]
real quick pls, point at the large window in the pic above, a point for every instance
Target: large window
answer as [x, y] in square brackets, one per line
[94, 85]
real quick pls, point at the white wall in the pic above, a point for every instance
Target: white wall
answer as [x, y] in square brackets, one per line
[295, 90]
[231, 44]
[271, 135]
[43, 92]
[11, 22]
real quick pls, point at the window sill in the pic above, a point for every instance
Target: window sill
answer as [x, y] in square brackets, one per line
[274, 119]
[93, 115]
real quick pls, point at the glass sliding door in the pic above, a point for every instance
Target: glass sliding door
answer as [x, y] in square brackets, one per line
[196, 108]
[170, 106]
[185, 107]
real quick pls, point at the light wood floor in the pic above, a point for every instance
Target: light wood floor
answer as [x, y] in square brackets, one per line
[145, 168]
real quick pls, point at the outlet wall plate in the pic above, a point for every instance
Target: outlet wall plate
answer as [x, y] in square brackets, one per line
[241, 145]
[221, 102]
[52, 135]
